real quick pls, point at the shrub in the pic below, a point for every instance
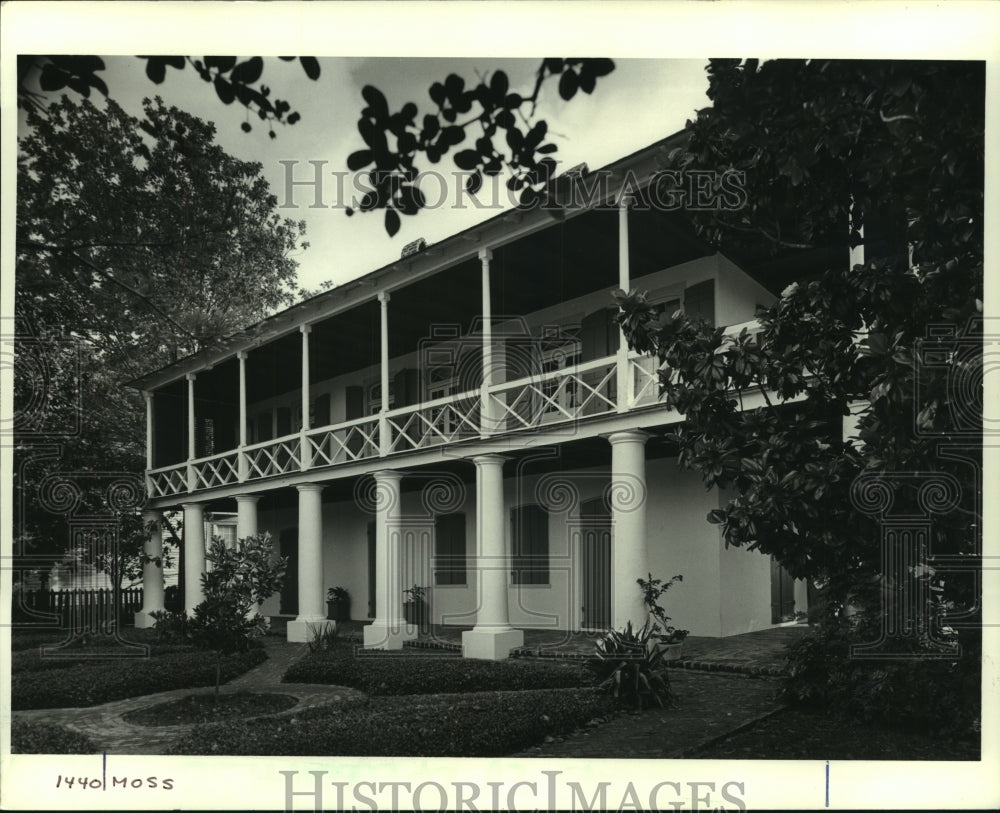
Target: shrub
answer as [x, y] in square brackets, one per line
[46, 738]
[469, 725]
[405, 673]
[927, 695]
[630, 669]
[96, 682]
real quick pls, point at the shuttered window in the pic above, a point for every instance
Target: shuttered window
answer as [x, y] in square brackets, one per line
[530, 536]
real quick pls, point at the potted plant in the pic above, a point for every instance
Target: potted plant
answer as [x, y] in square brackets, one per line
[338, 604]
[415, 605]
[665, 637]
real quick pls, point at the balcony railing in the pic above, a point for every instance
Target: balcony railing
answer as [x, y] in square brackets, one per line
[592, 389]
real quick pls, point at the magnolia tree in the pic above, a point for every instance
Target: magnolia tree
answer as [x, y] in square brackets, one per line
[836, 154]
[239, 579]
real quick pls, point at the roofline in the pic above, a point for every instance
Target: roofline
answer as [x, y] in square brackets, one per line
[436, 257]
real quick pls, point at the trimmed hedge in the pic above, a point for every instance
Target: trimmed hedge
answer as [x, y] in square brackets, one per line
[403, 673]
[97, 682]
[46, 738]
[481, 724]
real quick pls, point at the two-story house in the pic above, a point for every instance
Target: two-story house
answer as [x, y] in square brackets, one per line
[469, 420]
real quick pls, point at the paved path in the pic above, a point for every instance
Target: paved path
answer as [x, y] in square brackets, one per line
[712, 702]
[708, 706]
[113, 735]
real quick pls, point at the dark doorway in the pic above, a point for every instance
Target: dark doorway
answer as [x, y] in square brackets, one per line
[595, 549]
[289, 547]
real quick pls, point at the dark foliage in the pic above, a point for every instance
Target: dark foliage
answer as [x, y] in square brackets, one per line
[937, 696]
[468, 725]
[404, 674]
[45, 738]
[91, 684]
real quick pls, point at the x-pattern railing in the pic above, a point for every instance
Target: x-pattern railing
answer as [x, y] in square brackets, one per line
[168, 481]
[536, 402]
[277, 457]
[328, 447]
[435, 422]
[220, 470]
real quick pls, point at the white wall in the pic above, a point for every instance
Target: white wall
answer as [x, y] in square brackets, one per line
[724, 592]
[736, 294]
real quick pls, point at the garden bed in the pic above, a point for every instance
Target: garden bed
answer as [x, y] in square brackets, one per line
[48, 738]
[92, 683]
[210, 708]
[478, 724]
[409, 673]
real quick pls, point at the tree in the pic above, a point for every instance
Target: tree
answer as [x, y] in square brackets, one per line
[825, 144]
[237, 582]
[492, 109]
[135, 245]
[232, 79]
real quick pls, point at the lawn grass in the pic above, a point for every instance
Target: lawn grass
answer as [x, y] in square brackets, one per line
[808, 734]
[476, 724]
[210, 708]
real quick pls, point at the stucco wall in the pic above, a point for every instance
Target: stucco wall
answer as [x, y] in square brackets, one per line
[723, 592]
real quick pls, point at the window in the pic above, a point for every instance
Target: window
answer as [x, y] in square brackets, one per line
[449, 549]
[530, 535]
[560, 350]
[375, 398]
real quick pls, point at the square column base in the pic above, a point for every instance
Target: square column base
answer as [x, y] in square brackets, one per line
[491, 644]
[144, 620]
[303, 631]
[380, 635]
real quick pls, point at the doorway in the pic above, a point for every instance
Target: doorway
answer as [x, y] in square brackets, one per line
[288, 546]
[595, 554]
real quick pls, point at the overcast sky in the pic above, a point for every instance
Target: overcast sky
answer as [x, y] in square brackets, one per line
[640, 102]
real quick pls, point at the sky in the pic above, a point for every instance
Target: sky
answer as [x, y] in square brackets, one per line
[640, 102]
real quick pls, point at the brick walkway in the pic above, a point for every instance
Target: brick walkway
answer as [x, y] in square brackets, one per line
[708, 707]
[105, 726]
[710, 703]
[760, 653]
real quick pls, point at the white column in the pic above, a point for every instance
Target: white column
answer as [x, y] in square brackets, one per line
[312, 606]
[242, 467]
[624, 388]
[148, 397]
[191, 482]
[487, 419]
[388, 630]
[194, 554]
[246, 515]
[384, 440]
[152, 572]
[492, 638]
[628, 527]
[305, 458]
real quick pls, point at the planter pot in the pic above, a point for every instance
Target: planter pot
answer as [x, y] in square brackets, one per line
[671, 652]
[415, 612]
[338, 610]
